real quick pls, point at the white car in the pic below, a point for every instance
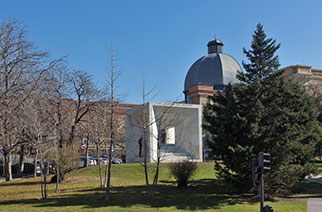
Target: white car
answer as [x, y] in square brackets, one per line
[90, 162]
[104, 161]
[116, 161]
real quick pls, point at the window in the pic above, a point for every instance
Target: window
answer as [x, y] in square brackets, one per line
[171, 135]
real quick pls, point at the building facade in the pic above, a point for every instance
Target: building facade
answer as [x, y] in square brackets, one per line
[308, 78]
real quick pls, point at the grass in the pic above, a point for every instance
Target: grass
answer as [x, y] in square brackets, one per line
[81, 191]
[319, 166]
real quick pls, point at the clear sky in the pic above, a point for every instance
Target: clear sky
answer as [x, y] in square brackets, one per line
[164, 36]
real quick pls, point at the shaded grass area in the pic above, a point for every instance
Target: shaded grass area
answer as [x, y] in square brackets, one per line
[319, 165]
[135, 196]
[81, 192]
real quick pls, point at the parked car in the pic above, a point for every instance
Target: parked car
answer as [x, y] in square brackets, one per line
[104, 156]
[28, 169]
[104, 160]
[38, 169]
[116, 161]
[91, 161]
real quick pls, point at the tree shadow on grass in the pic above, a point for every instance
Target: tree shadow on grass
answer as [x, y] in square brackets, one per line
[13, 183]
[305, 189]
[203, 194]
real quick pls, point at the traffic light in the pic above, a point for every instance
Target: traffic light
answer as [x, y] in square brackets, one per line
[264, 162]
[256, 174]
[264, 166]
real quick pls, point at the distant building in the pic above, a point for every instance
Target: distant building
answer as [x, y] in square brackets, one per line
[308, 78]
[214, 71]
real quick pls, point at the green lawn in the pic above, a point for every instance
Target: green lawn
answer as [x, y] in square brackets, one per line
[81, 191]
[319, 165]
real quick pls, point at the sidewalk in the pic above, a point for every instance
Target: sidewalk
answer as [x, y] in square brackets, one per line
[315, 179]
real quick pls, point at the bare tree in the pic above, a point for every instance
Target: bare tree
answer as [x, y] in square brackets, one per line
[57, 110]
[86, 97]
[141, 121]
[41, 133]
[98, 128]
[151, 125]
[145, 127]
[114, 74]
[21, 64]
[85, 136]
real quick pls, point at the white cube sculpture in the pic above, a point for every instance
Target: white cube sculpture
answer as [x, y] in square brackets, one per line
[314, 205]
[175, 127]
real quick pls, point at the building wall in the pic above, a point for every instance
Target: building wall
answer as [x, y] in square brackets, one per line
[199, 94]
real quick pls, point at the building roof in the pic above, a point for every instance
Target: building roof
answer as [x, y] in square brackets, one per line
[216, 68]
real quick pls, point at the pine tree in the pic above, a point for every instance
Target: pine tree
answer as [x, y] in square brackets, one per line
[263, 113]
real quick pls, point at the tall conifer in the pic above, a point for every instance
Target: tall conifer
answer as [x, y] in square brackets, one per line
[263, 113]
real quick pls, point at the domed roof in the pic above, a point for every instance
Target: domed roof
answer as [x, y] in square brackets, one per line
[216, 68]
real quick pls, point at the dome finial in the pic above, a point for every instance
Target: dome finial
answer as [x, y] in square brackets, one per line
[215, 46]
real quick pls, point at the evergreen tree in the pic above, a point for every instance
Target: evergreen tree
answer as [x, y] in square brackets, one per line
[263, 113]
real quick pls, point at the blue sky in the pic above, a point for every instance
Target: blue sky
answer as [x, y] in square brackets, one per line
[165, 37]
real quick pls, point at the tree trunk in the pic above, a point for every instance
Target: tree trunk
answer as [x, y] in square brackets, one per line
[45, 178]
[57, 166]
[99, 162]
[47, 172]
[45, 181]
[112, 135]
[43, 169]
[7, 164]
[146, 167]
[87, 152]
[41, 183]
[106, 167]
[21, 160]
[109, 172]
[71, 137]
[35, 162]
[156, 177]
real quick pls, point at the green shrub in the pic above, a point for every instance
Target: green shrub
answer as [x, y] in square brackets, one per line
[182, 171]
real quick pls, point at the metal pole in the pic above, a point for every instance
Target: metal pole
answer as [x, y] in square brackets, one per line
[262, 192]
